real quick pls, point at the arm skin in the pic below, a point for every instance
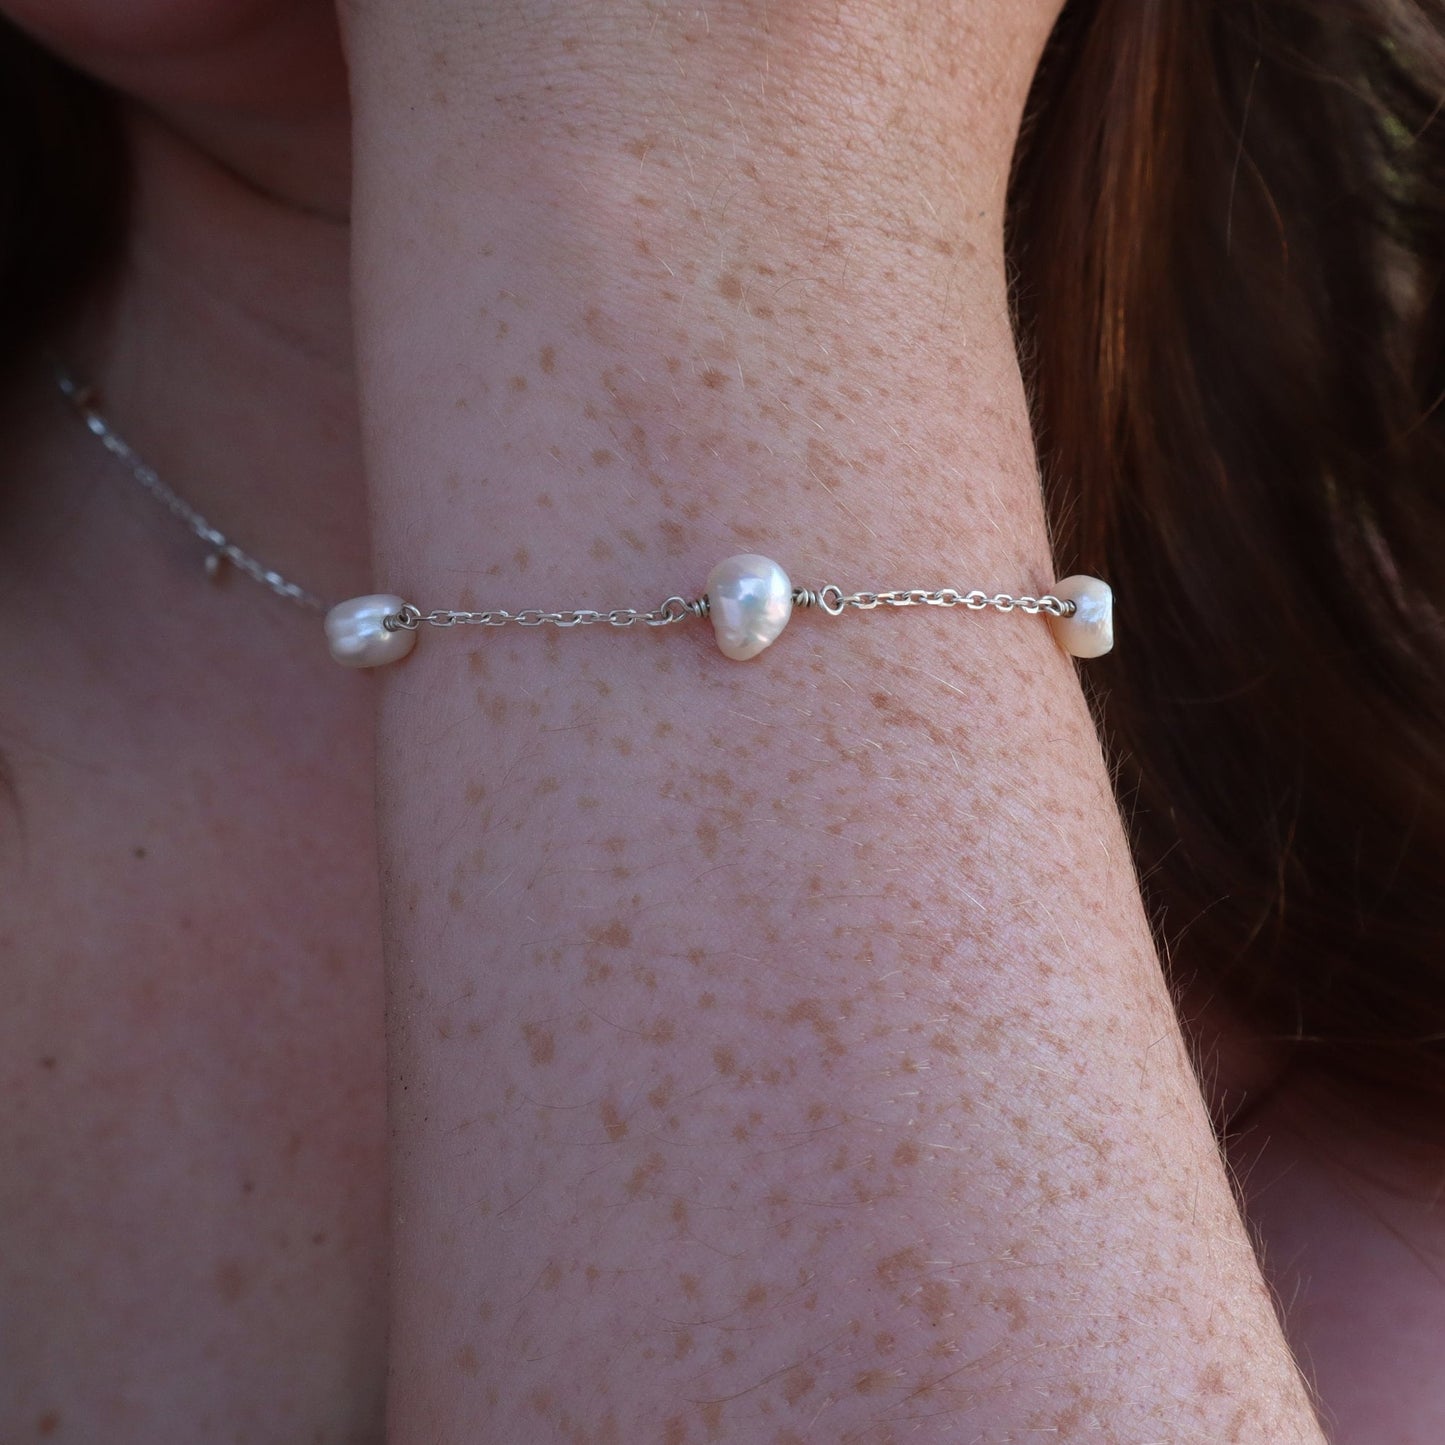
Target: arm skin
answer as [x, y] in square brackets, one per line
[779, 1051]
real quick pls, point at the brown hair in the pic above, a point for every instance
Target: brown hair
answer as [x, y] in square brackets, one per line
[1226, 228]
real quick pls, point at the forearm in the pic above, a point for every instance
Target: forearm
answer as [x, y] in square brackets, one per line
[778, 1046]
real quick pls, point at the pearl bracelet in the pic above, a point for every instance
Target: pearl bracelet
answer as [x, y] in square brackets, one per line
[749, 600]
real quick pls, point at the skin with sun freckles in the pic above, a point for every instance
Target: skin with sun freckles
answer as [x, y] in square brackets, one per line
[778, 1053]
[776, 1050]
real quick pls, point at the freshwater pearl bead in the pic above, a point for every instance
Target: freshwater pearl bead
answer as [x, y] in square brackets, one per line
[749, 599]
[1090, 631]
[357, 636]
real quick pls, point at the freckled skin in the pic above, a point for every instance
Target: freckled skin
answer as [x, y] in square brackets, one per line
[782, 984]
[615, 934]
[541, 1045]
[613, 1122]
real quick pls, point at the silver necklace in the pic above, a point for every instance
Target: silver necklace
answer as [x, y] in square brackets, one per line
[220, 549]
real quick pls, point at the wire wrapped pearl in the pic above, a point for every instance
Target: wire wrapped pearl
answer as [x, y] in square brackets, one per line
[357, 634]
[750, 600]
[1089, 632]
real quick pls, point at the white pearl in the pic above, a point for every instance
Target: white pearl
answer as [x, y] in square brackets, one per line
[357, 634]
[1090, 631]
[749, 599]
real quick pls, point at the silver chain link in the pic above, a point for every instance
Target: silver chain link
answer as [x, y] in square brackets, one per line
[675, 609]
[220, 546]
[831, 598]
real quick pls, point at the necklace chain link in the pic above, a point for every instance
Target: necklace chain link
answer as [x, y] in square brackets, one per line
[220, 546]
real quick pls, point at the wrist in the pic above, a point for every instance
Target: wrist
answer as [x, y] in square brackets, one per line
[664, 308]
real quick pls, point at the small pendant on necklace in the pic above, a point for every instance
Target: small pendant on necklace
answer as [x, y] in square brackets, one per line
[215, 565]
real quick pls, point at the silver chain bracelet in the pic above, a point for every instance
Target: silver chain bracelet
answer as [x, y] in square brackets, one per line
[749, 600]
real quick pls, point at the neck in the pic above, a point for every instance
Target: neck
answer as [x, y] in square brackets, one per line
[222, 351]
